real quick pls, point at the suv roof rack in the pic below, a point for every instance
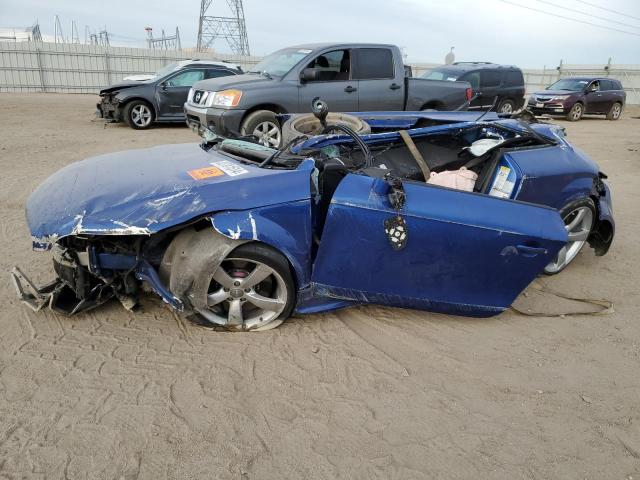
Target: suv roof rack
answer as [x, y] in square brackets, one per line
[472, 63]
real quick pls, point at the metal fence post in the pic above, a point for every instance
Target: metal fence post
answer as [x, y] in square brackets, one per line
[43, 84]
[107, 66]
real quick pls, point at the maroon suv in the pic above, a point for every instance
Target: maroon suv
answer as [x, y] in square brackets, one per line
[576, 96]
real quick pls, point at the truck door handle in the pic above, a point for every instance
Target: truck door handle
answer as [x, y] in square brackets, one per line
[394, 86]
[528, 251]
[350, 89]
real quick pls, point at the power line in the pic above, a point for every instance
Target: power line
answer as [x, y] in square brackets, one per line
[608, 9]
[555, 15]
[587, 14]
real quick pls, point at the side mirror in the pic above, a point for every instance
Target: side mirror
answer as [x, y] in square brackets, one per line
[309, 75]
[592, 88]
[163, 86]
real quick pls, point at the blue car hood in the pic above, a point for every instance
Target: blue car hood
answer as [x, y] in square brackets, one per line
[140, 192]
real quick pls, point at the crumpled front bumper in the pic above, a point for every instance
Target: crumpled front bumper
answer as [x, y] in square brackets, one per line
[85, 280]
[108, 109]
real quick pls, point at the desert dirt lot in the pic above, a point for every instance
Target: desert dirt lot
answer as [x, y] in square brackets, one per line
[362, 393]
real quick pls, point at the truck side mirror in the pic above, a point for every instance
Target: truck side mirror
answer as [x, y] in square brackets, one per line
[309, 75]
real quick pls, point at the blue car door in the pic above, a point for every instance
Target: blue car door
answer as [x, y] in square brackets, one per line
[465, 253]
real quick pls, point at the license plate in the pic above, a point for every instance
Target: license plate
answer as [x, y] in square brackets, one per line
[539, 105]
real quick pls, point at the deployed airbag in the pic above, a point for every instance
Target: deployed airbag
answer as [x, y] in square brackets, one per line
[462, 179]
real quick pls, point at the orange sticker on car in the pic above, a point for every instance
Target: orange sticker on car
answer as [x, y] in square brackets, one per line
[206, 172]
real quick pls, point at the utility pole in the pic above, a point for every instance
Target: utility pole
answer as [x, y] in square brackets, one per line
[232, 28]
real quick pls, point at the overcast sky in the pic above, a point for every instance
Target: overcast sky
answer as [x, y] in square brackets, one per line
[492, 30]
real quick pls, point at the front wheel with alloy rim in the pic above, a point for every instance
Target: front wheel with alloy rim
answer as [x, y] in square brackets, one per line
[615, 111]
[506, 106]
[578, 219]
[264, 125]
[575, 113]
[138, 114]
[252, 289]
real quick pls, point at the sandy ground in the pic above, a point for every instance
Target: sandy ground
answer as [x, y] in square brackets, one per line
[362, 393]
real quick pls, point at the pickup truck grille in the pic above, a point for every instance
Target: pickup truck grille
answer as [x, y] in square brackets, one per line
[199, 97]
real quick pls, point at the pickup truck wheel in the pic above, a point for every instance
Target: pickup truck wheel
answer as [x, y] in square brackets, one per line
[506, 106]
[575, 113]
[615, 111]
[264, 125]
[138, 114]
[308, 124]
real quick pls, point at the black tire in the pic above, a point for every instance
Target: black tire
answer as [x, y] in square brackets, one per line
[507, 106]
[564, 213]
[576, 112]
[615, 111]
[132, 112]
[308, 124]
[264, 125]
[256, 252]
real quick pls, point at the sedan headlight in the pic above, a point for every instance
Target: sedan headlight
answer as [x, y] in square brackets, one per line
[224, 98]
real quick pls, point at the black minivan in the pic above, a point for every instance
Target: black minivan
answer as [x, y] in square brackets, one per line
[502, 85]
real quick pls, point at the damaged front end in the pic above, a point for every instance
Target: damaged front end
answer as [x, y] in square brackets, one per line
[91, 272]
[108, 220]
[109, 107]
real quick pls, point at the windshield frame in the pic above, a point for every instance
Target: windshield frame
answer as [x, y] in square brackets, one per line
[167, 70]
[584, 84]
[261, 67]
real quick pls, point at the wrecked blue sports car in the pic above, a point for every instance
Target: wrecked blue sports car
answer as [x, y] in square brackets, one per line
[243, 236]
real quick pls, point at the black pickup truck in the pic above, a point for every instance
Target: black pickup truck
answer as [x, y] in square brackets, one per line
[348, 77]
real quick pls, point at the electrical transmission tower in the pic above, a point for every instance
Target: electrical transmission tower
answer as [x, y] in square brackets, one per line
[101, 38]
[58, 36]
[35, 36]
[165, 42]
[75, 38]
[232, 29]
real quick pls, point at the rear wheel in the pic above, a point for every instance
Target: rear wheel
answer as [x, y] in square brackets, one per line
[615, 111]
[579, 218]
[264, 125]
[576, 112]
[252, 289]
[138, 114]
